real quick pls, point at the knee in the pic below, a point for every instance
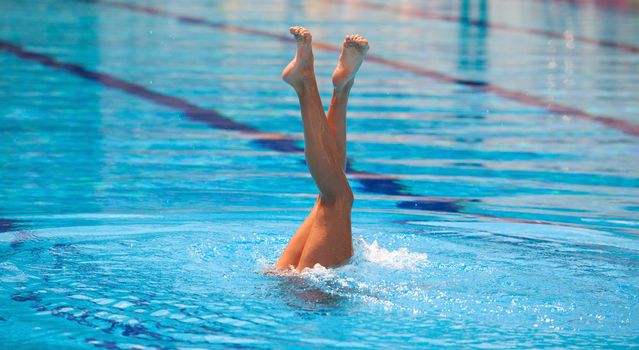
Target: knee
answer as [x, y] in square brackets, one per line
[343, 198]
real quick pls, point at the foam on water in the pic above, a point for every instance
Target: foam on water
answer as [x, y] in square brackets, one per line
[400, 258]
[364, 279]
[364, 253]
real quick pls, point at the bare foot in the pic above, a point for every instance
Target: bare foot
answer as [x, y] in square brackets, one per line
[355, 47]
[301, 67]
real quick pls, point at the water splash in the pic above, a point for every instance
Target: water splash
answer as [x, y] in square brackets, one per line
[400, 259]
[365, 253]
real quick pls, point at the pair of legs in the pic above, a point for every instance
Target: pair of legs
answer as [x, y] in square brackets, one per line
[325, 236]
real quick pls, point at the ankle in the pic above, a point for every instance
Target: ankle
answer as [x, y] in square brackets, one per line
[304, 83]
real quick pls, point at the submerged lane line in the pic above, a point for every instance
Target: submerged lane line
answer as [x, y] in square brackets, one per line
[372, 183]
[430, 15]
[513, 95]
[278, 142]
[7, 225]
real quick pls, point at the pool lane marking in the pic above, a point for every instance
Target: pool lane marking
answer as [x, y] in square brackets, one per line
[430, 15]
[513, 95]
[370, 182]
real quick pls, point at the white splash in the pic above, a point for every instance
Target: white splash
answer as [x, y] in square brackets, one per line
[400, 259]
[320, 273]
[397, 259]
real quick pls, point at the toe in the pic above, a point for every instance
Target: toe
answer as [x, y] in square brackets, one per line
[300, 33]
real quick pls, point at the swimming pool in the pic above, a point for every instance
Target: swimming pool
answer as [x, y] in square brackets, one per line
[151, 170]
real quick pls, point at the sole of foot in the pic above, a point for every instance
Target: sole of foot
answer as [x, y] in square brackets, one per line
[353, 51]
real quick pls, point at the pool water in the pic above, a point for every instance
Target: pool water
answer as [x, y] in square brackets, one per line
[152, 170]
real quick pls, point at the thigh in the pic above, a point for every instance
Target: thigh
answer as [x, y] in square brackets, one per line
[329, 241]
[293, 251]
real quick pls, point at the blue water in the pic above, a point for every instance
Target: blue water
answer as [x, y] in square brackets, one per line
[151, 172]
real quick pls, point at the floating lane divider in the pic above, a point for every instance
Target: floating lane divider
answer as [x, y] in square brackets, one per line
[370, 182]
[521, 97]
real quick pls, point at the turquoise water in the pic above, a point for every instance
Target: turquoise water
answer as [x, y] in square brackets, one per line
[151, 170]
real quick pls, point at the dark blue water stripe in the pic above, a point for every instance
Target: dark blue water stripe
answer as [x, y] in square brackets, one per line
[7, 225]
[376, 184]
[206, 116]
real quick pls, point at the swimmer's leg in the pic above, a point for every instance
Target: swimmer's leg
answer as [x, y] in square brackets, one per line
[319, 245]
[326, 231]
[322, 154]
[353, 51]
[293, 251]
